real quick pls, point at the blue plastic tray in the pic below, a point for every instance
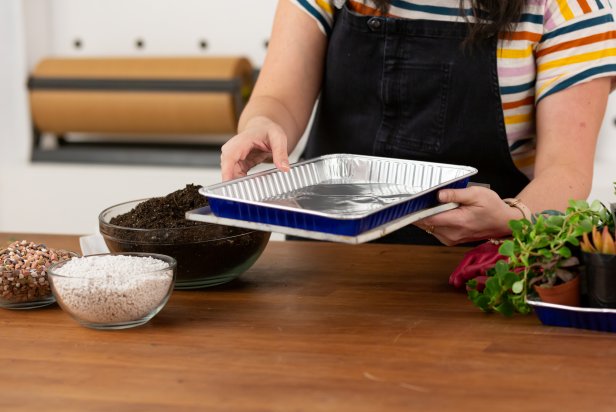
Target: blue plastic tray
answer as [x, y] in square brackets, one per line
[574, 317]
[271, 197]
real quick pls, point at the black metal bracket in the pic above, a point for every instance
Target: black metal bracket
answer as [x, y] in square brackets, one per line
[182, 155]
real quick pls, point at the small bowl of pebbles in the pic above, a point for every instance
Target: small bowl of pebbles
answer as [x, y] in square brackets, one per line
[113, 290]
[24, 283]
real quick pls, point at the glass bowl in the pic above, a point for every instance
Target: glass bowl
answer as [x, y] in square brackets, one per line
[113, 290]
[207, 254]
[27, 288]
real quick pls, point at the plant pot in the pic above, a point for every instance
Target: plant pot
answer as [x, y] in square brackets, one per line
[600, 280]
[564, 294]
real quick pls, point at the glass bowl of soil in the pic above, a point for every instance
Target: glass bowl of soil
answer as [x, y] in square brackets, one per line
[207, 254]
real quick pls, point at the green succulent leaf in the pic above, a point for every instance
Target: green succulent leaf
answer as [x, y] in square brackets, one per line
[492, 287]
[506, 249]
[505, 308]
[574, 241]
[516, 226]
[564, 251]
[596, 206]
[556, 220]
[483, 303]
[518, 287]
[586, 225]
[581, 204]
[545, 253]
[541, 242]
[508, 279]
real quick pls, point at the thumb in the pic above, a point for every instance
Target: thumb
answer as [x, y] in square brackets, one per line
[462, 196]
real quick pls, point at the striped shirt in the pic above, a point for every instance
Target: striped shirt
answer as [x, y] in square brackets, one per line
[556, 44]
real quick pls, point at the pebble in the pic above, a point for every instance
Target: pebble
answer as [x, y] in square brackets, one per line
[26, 263]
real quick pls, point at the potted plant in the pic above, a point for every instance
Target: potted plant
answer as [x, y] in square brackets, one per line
[542, 254]
[599, 256]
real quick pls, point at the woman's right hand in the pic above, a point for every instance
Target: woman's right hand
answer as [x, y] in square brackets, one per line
[261, 140]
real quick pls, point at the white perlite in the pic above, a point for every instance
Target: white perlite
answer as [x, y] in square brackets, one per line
[112, 288]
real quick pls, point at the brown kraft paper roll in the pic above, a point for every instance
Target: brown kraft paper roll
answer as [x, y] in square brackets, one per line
[189, 96]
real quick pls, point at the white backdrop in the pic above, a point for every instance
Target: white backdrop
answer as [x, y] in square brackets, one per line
[169, 27]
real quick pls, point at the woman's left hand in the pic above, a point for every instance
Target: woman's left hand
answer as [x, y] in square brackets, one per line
[482, 214]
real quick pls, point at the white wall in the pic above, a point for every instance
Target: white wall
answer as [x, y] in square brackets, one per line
[168, 27]
[55, 198]
[13, 105]
[67, 198]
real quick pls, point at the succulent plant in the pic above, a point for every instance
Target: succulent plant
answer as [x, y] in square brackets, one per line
[602, 242]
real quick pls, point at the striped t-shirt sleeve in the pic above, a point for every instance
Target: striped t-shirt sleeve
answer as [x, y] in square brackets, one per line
[320, 10]
[578, 44]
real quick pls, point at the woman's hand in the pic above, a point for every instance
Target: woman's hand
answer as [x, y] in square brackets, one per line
[482, 214]
[261, 140]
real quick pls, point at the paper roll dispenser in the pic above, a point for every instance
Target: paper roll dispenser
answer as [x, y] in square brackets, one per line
[139, 96]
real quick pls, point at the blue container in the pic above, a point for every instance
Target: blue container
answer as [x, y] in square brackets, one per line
[575, 317]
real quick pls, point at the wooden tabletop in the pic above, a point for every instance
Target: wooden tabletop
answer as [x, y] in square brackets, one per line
[310, 327]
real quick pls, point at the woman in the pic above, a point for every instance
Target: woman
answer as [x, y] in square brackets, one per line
[516, 89]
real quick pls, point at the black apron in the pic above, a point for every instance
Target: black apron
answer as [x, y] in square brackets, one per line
[410, 89]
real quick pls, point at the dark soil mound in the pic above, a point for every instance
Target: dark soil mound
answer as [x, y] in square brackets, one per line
[164, 212]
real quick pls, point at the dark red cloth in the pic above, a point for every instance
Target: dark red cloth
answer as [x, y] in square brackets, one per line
[475, 264]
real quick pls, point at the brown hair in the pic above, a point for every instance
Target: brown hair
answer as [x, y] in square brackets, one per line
[493, 16]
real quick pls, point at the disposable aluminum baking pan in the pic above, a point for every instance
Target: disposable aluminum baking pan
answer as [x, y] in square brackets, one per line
[340, 194]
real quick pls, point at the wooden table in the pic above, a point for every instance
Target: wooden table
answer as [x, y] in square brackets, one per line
[311, 327]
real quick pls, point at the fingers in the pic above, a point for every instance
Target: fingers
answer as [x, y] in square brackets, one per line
[228, 161]
[252, 147]
[441, 233]
[278, 145]
[448, 227]
[454, 217]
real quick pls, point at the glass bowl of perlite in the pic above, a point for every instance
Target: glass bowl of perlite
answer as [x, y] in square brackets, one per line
[24, 283]
[113, 290]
